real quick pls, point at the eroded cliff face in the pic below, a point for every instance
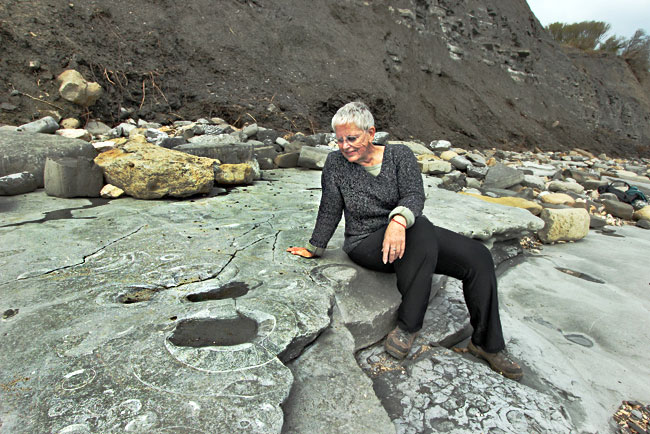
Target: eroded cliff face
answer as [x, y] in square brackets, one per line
[478, 73]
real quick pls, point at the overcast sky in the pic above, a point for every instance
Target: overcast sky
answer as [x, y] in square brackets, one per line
[625, 16]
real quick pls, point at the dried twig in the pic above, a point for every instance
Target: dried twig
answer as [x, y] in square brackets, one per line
[107, 78]
[40, 100]
[155, 86]
[144, 93]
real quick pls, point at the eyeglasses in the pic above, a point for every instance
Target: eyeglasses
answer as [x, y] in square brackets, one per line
[350, 139]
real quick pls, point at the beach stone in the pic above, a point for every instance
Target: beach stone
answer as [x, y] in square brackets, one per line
[440, 391]
[147, 171]
[17, 183]
[643, 223]
[124, 129]
[541, 170]
[440, 145]
[172, 142]
[476, 171]
[476, 218]
[454, 181]
[472, 184]
[619, 209]
[592, 184]
[218, 148]
[70, 123]
[72, 177]
[75, 134]
[234, 174]
[287, 159]
[448, 155]
[313, 157]
[27, 152]
[46, 125]
[264, 154]
[564, 187]
[74, 88]
[435, 167]
[417, 148]
[381, 137]
[110, 191]
[557, 199]
[476, 159]
[518, 202]
[642, 214]
[533, 181]
[502, 176]
[250, 130]
[97, 128]
[570, 224]
[631, 176]
[596, 221]
[460, 163]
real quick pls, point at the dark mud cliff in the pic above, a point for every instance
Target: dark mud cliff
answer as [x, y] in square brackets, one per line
[477, 73]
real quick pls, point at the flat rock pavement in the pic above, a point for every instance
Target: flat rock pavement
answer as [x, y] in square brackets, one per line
[189, 316]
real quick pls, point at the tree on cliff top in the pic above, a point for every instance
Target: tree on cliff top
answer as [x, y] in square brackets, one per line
[636, 52]
[585, 35]
[588, 35]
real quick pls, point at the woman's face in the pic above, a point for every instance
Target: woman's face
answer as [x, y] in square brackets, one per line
[355, 144]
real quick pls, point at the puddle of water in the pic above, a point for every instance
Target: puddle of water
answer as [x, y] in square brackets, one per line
[64, 214]
[579, 339]
[579, 275]
[9, 313]
[206, 332]
[229, 290]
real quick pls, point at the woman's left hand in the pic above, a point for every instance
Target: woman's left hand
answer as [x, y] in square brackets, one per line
[394, 242]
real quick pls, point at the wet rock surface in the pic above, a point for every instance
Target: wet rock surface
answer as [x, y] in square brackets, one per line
[437, 390]
[189, 316]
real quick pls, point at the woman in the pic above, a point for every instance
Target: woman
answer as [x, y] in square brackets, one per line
[380, 190]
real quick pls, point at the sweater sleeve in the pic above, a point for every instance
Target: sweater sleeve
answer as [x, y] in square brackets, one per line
[409, 182]
[330, 209]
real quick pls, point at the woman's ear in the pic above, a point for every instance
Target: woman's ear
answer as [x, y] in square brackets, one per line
[371, 131]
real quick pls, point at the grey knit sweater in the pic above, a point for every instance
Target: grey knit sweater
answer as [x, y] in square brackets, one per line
[366, 200]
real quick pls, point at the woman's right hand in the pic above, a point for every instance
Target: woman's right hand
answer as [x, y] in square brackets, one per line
[300, 251]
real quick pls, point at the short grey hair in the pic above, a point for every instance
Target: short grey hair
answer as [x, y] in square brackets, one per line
[356, 113]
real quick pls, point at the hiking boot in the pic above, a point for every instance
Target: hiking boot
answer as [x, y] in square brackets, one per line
[499, 362]
[398, 342]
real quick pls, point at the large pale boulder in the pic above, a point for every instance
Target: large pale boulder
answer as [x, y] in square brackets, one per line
[517, 202]
[147, 171]
[567, 224]
[76, 89]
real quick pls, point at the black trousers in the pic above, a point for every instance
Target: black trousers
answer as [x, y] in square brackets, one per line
[431, 249]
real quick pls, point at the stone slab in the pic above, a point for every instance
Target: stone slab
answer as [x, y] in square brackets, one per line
[331, 393]
[95, 296]
[580, 325]
[25, 152]
[475, 218]
[437, 390]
